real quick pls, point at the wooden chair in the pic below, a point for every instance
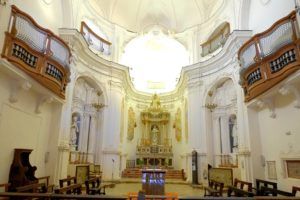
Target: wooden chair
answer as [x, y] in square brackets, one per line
[214, 188]
[240, 189]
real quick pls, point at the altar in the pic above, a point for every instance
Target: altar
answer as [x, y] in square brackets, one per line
[153, 181]
[155, 147]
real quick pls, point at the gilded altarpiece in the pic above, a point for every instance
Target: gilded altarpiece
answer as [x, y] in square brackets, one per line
[154, 148]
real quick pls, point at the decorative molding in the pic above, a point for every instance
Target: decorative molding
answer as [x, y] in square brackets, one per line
[41, 101]
[16, 87]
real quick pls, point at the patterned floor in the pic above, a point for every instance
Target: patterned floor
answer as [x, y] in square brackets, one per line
[181, 189]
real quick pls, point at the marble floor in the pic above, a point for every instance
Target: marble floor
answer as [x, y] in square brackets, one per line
[179, 188]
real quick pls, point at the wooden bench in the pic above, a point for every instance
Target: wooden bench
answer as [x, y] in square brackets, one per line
[240, 189]
[71, 189]
[214, 188]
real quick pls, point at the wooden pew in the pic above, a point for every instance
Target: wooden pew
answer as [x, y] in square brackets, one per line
[92, 186]
[68, 180]
[71, 189]
[214, 188]
[262, 185]
[5, 187]
[295, 190]
[240, 189]
[32, 188]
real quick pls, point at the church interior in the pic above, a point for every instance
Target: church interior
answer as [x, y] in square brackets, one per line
[135, 99]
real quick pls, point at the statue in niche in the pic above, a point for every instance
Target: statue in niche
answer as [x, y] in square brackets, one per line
[177, 125]
[154, 133]
[131, 124]
[74, 136]
[233, 133]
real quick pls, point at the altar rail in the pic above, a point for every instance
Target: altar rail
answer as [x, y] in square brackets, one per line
[95, 41]
[269, 57]
[226, 160]
[77, 157]
[216, 42]
[37, 51]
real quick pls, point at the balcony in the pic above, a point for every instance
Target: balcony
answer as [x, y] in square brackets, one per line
[38, 52]
[95, 42]
[269, 57]
[216, 40]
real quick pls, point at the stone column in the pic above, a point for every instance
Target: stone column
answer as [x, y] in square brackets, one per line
[111, 147]
[64, 130]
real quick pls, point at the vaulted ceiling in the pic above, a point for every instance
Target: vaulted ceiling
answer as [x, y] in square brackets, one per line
[174, 15]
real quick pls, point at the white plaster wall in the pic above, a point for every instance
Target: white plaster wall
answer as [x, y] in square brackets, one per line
[280, 137]
[262, 16]
[22, 127]
[49, 16]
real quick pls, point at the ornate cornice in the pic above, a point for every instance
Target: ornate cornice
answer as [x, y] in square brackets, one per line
[119, 73]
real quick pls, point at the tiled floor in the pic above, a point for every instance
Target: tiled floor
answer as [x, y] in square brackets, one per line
[181, 189]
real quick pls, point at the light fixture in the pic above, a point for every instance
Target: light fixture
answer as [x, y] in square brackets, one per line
[210, 106]
[98, 105]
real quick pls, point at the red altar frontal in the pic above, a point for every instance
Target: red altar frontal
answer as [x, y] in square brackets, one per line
[153, 181]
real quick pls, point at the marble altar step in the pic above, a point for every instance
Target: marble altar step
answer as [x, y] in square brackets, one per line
[136, 173]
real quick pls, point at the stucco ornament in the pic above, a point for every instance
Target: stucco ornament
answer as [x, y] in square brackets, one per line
[177, 125]
[131, 124]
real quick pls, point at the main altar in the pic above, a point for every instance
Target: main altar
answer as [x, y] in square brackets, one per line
[155, 148]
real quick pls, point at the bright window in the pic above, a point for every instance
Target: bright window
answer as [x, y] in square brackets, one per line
[155, 61]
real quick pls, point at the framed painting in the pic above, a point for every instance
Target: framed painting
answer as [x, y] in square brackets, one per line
[271, 166]
[82, 173]
[293, 168]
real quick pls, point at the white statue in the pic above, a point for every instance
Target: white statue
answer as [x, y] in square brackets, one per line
[154, 133]
[74, 130]
[234, 135]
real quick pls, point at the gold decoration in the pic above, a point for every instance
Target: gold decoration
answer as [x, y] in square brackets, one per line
[131, 124]
[99, 105]
[177, 125]
[210, 106]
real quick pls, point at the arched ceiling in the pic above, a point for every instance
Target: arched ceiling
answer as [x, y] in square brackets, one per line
[174, 15]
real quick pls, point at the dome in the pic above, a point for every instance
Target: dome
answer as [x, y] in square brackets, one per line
[174, 15]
